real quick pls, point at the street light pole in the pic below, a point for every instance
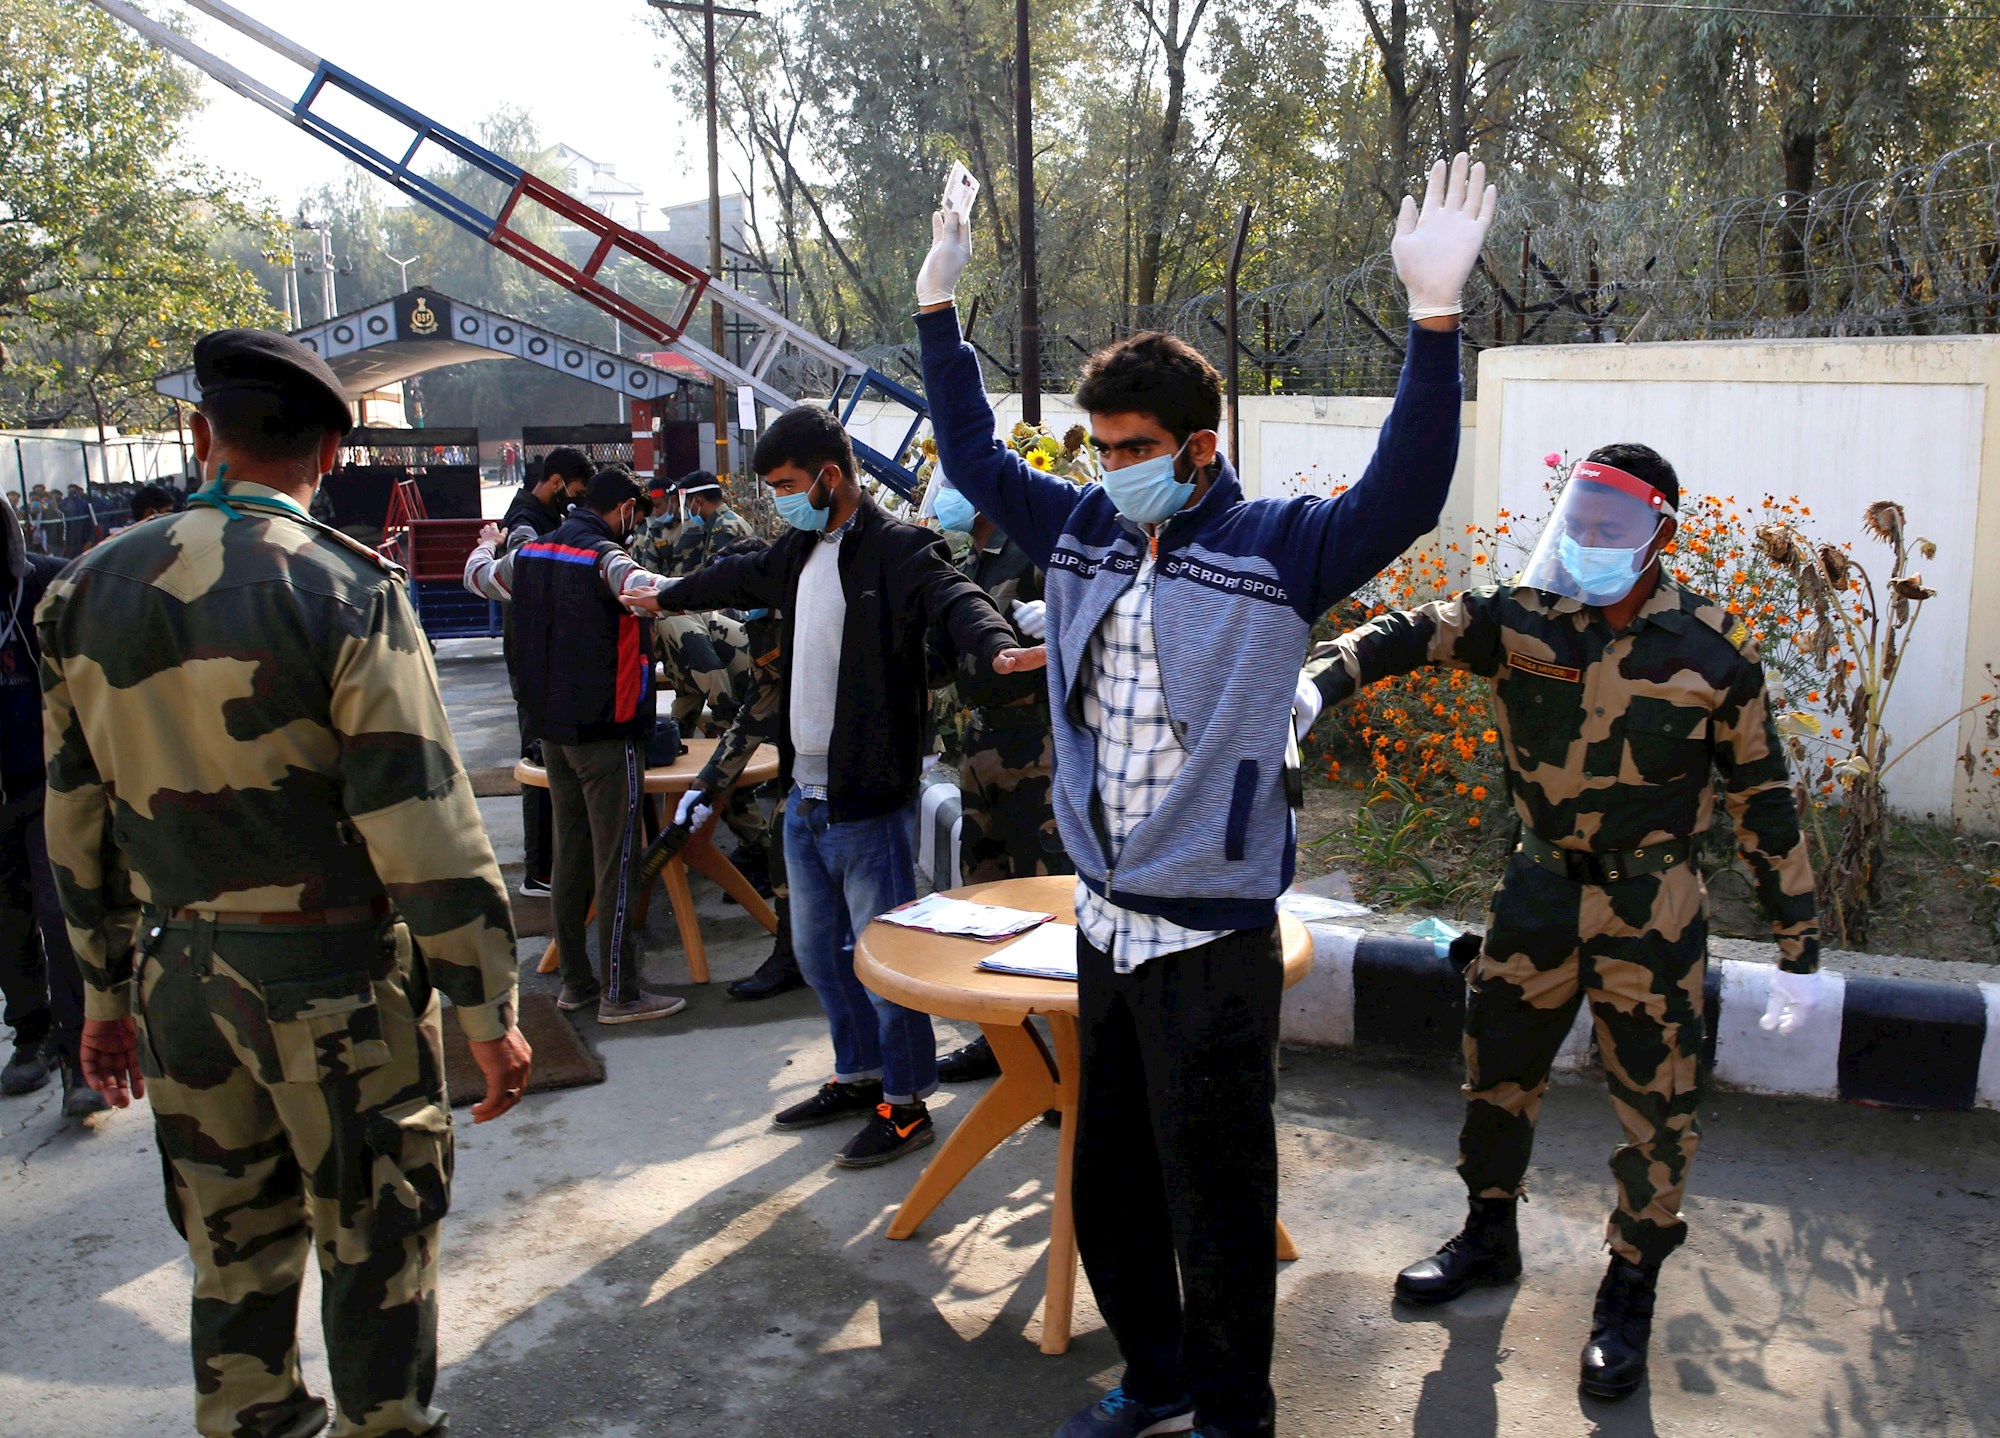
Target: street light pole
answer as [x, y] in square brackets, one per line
[403, 265]
[1024, 168]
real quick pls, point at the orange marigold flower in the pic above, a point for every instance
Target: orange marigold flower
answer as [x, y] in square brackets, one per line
[1479, 791]
[1491, 736]
[1472, 822]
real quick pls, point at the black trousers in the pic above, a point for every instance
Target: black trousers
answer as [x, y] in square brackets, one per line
[38, 972]
[537, 818]
[1176, 1191]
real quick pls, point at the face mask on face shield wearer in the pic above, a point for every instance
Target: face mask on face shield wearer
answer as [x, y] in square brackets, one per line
[1150, 491]
[1598, 542]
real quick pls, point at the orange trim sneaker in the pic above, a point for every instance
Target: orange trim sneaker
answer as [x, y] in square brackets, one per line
[896, 1129]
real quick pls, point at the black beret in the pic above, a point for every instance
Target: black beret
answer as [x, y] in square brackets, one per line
[265, 362]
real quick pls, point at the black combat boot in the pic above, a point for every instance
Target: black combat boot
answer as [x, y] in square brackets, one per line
[779, 974]
[32, 1061]
[1614, 1361]
[1486, 1251]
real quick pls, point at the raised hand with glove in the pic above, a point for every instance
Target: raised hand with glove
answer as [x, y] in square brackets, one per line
[1436, 247]
[951, 252]
[1031, 617]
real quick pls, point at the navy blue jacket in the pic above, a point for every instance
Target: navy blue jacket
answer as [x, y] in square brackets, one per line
[1240, 584]
[27, 578]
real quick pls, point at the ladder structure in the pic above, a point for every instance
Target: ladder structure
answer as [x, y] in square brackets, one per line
[773, 338]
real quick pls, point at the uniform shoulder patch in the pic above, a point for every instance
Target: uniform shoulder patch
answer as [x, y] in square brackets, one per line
[1731, 627]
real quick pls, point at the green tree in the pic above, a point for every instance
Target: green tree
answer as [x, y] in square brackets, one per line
[110, 243]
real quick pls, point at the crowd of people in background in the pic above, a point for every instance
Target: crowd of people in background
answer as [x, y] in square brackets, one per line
[64, 522]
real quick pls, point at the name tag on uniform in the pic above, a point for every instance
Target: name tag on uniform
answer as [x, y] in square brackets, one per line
[1541, 667]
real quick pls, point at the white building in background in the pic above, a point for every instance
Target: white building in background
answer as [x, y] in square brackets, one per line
[596, 183]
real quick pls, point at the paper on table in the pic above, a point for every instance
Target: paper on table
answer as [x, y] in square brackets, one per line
[1048, 953]
[961, 919]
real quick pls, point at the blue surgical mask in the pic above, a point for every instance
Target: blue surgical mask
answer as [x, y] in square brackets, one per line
[1604, 575]
[752, 615]
[699, 521]
[953, 510]
[799, 511]
[1149, 492]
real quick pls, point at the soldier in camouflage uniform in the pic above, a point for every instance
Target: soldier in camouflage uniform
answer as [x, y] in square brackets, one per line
[1005, 745]
[269, 856]
[1618, 692]
[655, 538]
[711, 524]
[753, 723]
[710, 664]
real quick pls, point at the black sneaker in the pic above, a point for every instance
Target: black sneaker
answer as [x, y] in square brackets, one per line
[833, 1101]
[970, 1064]
[535, 889]
[29, 1069]
[575, 998]
[896, 1129]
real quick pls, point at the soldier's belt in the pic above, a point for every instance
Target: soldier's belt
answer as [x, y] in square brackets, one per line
[1606, 866]
[294, 918]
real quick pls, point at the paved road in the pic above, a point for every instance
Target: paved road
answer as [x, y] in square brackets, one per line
[648, 1257]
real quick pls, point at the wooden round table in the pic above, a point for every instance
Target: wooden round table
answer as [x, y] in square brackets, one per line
[935, 974]
[701, 855]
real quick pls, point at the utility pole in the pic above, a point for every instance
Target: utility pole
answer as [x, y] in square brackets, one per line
[1024, 168]
[708, 10]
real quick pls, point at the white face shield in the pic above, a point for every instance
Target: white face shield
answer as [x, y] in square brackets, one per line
[1599, 540]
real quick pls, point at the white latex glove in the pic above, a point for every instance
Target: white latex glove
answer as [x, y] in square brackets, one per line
[694, 811]
[1793, 998]
[1031, 617]
[951, 252]
[1436, 249]
[1306, 703]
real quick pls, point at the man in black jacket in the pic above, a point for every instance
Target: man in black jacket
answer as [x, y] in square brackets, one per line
[586, 670]
[537, 509]
[38, 972]
[858, 591]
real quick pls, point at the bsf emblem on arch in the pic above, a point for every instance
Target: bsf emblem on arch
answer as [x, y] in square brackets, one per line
[423, 319]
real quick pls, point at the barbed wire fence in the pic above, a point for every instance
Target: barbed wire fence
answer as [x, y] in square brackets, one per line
[1916, 252]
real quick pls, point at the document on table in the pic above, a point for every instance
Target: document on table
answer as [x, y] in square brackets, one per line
[1048, 953]
[963, 920]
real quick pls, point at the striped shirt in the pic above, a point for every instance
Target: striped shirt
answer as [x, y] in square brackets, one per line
[1138, 758]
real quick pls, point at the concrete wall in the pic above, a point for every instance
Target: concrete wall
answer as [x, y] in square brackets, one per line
[1839, 423]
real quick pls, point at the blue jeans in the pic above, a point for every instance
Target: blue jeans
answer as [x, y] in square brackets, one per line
[842, 876]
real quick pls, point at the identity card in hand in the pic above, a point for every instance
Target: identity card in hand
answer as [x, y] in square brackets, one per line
[962, 920]
[960, 190]
[1048, 953]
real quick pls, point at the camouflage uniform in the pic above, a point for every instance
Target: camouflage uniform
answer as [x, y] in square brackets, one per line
[269, 855]
[754, 723]
[709, 664]
[1006, 749]
[698, 543]
[1608, 741]
[655, 539]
